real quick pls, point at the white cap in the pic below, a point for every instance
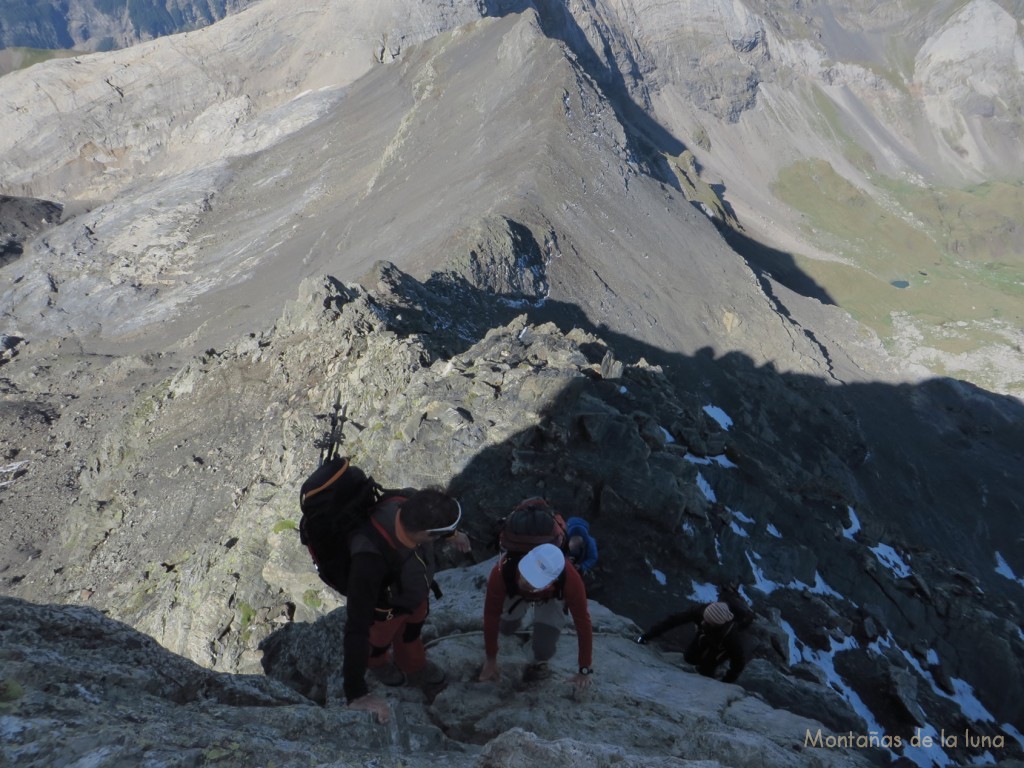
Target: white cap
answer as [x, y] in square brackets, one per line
[542, 565]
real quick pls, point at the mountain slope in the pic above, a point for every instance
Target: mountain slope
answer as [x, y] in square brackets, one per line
[458, 237]
[851, 139]
[868, 198]
[541, 149]
[100, 25]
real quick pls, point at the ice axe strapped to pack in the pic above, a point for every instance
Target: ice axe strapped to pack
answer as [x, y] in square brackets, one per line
[336, 499]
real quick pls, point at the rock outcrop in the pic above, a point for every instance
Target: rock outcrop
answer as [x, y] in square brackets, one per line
[77, 686]
[185, 520]
[20, 220]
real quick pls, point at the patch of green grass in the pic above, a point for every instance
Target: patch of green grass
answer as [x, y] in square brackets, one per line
[229, 751]
[877, 239]
[285, 525]
[828, 116]
[979, 228]
[10, 690]
[830, 122]
[311, 599]
[958, 250]
[246, 614]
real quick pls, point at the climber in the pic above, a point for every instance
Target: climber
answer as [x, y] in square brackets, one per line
[719, 635]
[582, 547]
[387, 604]
[542, 581]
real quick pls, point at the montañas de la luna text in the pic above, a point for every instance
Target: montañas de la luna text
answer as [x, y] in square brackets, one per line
[874, 739]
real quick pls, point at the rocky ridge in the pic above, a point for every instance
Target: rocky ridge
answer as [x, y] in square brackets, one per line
[893, 104]
[78, 686]
[184, 524]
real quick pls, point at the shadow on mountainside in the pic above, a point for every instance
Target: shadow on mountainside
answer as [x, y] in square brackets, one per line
[864, 517]
[652, 142]
[865, 510]
[766, 261]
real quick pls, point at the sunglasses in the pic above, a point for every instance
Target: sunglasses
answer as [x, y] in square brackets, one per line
[438, 532]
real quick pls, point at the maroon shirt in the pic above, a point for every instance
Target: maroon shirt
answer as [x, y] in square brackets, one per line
[575, 597]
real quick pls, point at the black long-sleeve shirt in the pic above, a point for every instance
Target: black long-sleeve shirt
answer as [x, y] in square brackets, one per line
[384, 575]
[366, 582]
[712, 644]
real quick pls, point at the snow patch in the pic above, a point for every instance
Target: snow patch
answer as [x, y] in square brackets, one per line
[854, 524]
[721, 460]
[773, 531]
[1002, 567]
[738, 530]
[10, 469]
[969, 703]
[658, 575]
[706, 488]
[820, 587]
[825, 660]
[892, 560]
[963, 694]
[766, 585]
[718, 415]
[1011, 731]
[761, 583]
[926, 757]
[794, 649]
[703, 593]
[930, 756]
[741, 517]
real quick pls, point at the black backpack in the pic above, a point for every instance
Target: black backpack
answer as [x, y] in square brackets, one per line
[336, 500]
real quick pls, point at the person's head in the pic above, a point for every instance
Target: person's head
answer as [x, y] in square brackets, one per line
[430, 512]
[577, 549]
[530, 517]
[717, 614]
[540, 567]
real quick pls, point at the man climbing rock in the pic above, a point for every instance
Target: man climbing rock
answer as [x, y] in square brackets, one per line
[545, 581]
[719, 636]
[390, 580]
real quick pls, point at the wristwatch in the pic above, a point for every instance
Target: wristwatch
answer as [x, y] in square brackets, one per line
[586, 671]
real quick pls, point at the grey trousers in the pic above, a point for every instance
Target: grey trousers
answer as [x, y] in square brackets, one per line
[548, 620]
